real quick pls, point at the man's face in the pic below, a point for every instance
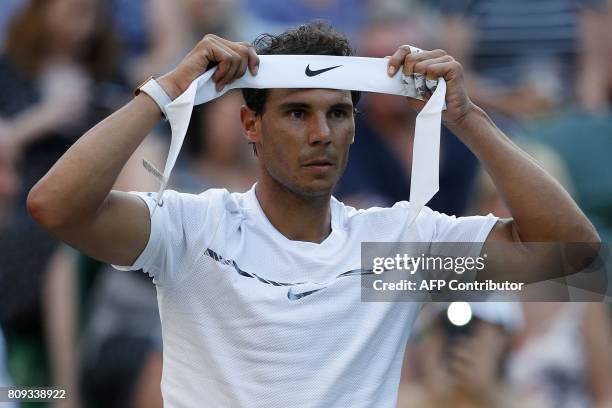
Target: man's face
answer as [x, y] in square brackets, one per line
[303, 137]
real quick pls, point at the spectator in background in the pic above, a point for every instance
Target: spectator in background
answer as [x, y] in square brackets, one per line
[562, 354]
[121, 344]
[60, 315]
[133, 24]
[9, 187]
[562, 358]
[55, 75]
[9, 181]
[527, 58]
[57, 52]
[608, 48]
[461, 366]
[7, 11]
[218, 155]
[275, 16]
[378, 173]
[156, 34]
[207, 16]
[4, 377]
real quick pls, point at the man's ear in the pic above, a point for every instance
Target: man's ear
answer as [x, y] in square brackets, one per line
[250, 124]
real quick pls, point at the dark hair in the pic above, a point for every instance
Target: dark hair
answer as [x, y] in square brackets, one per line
[315, 38]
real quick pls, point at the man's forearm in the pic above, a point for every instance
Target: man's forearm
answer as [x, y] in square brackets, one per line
[542, 210]
[77, 185]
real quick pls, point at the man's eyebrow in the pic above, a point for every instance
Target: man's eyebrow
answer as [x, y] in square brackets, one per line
[294, 105]
[342, 105]
[303, 105]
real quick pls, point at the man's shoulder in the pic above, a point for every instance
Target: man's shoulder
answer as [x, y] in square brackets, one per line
[180, 203]
[391, 217]
[211, 195]
[350, 215]
[393, 224]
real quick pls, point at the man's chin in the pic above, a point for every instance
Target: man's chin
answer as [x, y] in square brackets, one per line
[308, 187]
[317, 188]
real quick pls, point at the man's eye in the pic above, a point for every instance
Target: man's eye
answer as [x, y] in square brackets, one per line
[338, 114]
[297, 114]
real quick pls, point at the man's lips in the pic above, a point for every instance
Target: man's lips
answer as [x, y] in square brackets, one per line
[319, 166]
[320, 162]
[324, 160]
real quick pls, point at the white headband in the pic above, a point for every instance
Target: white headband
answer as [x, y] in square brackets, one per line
[348, 73]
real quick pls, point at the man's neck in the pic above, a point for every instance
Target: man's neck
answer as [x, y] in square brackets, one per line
[298, 218]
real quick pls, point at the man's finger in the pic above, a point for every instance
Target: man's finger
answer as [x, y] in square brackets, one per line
[220, 55]
[446, 70]
[253, 60]
[396, 60]
[229, 65]
[232, 71]
[246, 50]
[242, 67]
[421, 67]
[232, 60]
[410, 60]
[243, 50]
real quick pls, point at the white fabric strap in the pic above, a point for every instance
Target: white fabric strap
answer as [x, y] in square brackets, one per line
[348, 73]
[157, 93]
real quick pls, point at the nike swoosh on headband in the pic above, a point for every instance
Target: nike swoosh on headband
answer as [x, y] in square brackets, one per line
[316, 72]
[357, 74]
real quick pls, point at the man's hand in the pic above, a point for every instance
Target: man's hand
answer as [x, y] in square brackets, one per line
[75, 201]
[231, 58]
[435, 64]
[523, 184]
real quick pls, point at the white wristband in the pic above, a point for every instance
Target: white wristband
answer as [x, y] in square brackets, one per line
[157, 93]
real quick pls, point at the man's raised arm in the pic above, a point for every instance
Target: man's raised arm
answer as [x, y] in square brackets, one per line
[74, 201]
[542, 211]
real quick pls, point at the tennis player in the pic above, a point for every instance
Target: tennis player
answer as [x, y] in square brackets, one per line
[253, 310]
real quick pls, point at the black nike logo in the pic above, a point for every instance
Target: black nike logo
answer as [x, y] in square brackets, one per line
[312, 73]
[292, 294]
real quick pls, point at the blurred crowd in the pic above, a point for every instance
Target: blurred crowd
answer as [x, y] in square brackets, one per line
[540, 68]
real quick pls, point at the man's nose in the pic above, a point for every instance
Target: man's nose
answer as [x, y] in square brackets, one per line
[319, 131]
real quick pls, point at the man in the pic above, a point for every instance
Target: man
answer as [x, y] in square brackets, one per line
[242, 324]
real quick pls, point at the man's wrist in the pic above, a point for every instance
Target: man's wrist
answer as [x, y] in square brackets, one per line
[473, 118]
[152, 88]
[170, 86]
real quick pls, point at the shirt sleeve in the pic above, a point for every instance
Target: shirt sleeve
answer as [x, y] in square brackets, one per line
[455, 237]
[459, 236]
[177, 224]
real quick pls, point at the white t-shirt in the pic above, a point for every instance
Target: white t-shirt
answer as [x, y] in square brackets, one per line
[238, 332]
